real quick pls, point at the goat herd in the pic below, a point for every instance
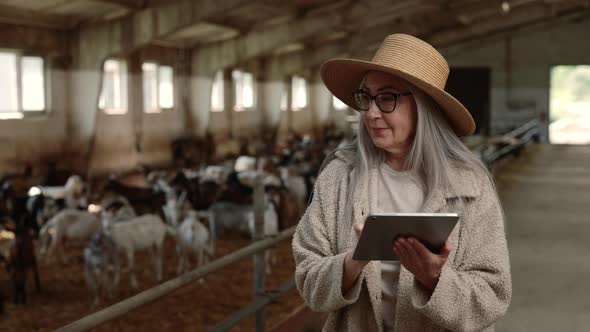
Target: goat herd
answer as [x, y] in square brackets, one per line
[124, 215]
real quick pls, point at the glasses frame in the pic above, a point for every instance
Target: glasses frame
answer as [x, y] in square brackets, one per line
[374, 99]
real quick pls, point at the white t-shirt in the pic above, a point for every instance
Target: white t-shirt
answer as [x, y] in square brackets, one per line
[394, 192]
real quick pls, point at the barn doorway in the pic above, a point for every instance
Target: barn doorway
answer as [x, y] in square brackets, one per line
[471, 85]
[569, 111]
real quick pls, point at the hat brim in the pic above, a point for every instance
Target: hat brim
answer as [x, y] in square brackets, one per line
[343, 76]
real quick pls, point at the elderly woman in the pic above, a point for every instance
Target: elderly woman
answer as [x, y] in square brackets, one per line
[407, 158]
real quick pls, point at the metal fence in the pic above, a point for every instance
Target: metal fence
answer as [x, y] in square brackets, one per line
[514, 141]
[261, 296]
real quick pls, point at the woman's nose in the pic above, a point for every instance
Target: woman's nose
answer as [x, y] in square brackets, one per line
[373, 112]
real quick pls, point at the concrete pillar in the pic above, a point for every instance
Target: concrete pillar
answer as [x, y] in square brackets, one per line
[288, 113]
[86, 80]
[229, 102]
[272, 92]
[135, 102]
[320, 102]
[200, 102]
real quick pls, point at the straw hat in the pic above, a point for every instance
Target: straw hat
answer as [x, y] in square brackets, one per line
[410, 59]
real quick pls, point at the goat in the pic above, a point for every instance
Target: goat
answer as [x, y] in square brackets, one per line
[145, 232]
[193, 239]
[241, 218]
[143, 199]
[72, 192]
[100, 258]
[68, 224]
[245, 163]
[294, 183]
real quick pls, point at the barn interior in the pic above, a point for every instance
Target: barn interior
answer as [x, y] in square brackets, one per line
[122, 109]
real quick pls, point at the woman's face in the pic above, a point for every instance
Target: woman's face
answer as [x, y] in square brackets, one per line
[392, 132]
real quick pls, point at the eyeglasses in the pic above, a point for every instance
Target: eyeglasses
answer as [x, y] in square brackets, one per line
[385, 101]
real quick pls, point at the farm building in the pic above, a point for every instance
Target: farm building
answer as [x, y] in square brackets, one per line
[198, 165]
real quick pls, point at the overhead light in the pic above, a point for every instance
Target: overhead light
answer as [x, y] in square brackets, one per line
[505, 7]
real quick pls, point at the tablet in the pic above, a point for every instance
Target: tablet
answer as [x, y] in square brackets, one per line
[380, 230]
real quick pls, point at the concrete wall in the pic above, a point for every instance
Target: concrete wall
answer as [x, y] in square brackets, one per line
[532, 55]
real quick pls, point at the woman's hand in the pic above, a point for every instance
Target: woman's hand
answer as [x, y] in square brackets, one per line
[352, 267]
[425, 265]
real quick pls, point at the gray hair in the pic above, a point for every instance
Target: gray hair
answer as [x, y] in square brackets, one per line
[436, 151]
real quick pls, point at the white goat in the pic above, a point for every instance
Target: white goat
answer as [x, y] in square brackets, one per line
[270, 228]
[69, 224]
[245, 163]
[216, 173]
[241, 217]
[294, 183]
[72, 192]
[100, 260]
[248, 178]
[193, 239]
[146, 232]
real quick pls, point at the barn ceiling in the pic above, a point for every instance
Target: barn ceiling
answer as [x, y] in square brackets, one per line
[362, 24]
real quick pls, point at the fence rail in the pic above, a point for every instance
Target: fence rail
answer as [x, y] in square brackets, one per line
[147, 296]
[517, 138]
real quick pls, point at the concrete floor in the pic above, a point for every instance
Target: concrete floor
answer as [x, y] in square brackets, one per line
[546, 198]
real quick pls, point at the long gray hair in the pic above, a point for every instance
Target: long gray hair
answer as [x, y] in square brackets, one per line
[436, 151]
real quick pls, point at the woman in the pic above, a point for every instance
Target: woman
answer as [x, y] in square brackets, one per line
[408, 158]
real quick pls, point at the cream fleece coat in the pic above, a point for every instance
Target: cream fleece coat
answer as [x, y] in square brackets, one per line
[474, 288]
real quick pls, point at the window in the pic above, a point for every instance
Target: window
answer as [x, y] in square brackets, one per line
[338, 104]
[22, 85]
[298, 93]
[217, 96]
[244, 85]
[158, 87]
[113, 97]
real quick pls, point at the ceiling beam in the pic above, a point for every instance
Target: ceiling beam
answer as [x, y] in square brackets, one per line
[350, 46]
[208, 59]
[481, 10]
[100, 40]
[127, 4]
[540, 25]
[33, 39]
[14, 15]
[517, 17]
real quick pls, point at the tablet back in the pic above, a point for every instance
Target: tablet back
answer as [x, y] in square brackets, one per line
[380, 230]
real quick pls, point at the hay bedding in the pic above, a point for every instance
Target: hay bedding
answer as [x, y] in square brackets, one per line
[195, 307]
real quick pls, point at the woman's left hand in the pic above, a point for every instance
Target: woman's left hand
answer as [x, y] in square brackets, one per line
[425, 265]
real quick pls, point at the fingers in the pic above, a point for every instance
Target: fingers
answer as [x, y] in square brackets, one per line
[446, 250]
[358, 228]
[410, 243]
[407, 256]
[400, 251]
[420, 249]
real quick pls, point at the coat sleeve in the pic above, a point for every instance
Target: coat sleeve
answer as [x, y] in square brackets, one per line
[319, 268]
[476, 291]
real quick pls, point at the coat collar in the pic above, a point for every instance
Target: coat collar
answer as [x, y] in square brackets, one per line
[462, 180]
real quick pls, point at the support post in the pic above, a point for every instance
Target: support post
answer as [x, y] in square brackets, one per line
[259, 263]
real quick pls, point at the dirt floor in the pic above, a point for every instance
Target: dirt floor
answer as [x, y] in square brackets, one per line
[195, 307]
